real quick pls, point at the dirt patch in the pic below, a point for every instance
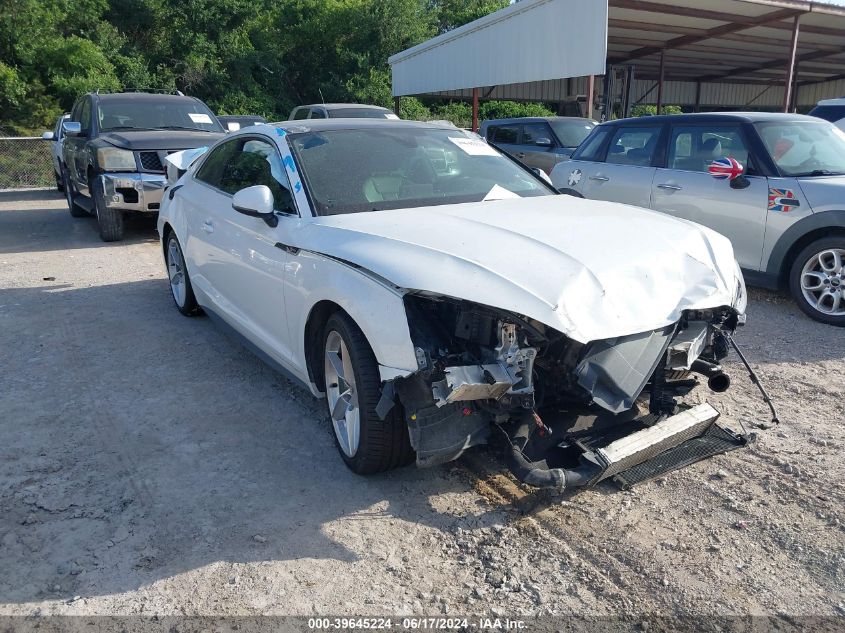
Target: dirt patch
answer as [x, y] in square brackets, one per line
[150, 465]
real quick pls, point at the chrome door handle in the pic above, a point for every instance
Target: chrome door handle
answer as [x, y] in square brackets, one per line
[669, 187]
[600, 178]
[208, 226]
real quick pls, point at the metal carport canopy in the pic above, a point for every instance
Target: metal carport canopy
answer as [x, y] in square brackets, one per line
[733, 52]
[532, 40]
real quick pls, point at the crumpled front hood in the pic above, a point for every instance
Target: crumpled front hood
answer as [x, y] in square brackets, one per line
[590, 269]
[159, 139]
[824, 193]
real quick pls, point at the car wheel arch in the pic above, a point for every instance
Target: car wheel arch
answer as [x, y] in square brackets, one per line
[798, 236]
[166, 230]
[315, 324]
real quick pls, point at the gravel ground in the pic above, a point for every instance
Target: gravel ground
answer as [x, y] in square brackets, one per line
[149, 465]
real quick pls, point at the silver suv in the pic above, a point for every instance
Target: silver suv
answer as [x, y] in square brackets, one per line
[540, 142]
[772, 183]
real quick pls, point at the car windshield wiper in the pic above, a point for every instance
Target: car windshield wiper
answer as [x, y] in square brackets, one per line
[820, 172]
[127, 127]
[183, 127]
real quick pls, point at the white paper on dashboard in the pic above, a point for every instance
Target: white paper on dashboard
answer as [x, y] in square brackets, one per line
[474, 146]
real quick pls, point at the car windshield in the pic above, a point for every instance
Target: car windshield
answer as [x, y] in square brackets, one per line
[571, 133]
[805, 148]
[146, 114]
[360, 113]
[350, 171]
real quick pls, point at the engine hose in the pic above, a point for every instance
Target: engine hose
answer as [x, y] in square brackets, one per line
[538, 474]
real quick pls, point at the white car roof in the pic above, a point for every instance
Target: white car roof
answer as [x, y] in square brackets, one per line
[832, 102]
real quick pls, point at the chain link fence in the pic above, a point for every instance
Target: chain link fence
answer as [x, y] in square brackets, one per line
[25, 163]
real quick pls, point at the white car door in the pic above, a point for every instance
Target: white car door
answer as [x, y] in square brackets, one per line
[237, 261]
[685, 188]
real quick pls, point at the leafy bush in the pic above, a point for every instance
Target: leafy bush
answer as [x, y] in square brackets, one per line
[651, 110]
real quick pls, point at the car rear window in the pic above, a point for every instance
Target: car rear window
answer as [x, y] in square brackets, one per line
[832, 113]
[504, 134]
[358, 113]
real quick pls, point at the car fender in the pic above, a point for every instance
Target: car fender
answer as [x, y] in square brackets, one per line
[172, 213]
[371, 301]
[814, 222]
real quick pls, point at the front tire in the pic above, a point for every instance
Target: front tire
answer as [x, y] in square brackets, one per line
[817, 280]
[180, 282]
[110, 221]
[353, 388]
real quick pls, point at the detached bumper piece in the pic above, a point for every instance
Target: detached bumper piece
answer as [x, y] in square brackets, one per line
[714, 441]
[650, 451]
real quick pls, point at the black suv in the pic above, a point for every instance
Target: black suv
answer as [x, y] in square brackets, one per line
[114, 151]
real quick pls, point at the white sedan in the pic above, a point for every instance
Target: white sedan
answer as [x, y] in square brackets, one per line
[438, 295]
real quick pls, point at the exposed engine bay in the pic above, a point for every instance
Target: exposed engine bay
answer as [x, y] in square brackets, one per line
[568, 414]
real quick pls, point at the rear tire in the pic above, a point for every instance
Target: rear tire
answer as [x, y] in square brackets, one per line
[817, 280]
[381, 444]
[110, 221]
[70, 196]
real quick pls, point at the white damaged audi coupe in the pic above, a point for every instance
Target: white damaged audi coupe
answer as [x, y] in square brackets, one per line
[439, 295]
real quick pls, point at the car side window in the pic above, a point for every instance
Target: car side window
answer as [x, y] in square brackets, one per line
[633, 145]
[533, 131]
[591, 149]
[693, 148]
[85, 117]
[257, 162]
[317, 113]
[505, 134]
[211, 170]
[301, 113]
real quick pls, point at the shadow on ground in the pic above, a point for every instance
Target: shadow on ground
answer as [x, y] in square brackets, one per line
[39, 221]
[137, 444]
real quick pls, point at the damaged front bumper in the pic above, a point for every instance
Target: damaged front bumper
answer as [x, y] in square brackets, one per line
[132, 191]
[570, 414]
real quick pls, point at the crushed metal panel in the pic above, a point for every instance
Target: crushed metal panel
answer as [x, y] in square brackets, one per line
[477, 382]
[615, 371]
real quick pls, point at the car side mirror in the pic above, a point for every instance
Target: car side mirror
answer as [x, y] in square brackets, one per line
[72, 128]
[726, 168]
[48, 136]
[233, 126]
[543, 142]
[256, 202]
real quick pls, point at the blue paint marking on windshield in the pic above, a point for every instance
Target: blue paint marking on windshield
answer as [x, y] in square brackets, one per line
[280, 132]
[290, 164]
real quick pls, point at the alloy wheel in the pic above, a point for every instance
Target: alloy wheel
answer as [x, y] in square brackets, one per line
[342, 394]
[823, 282]
[176, 272]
